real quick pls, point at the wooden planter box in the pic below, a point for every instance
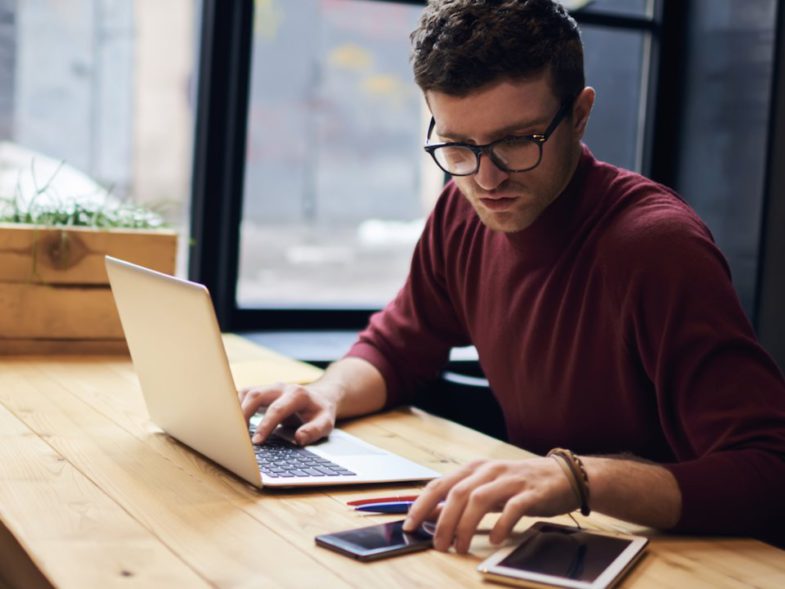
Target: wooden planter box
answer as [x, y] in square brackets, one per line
[54, 292]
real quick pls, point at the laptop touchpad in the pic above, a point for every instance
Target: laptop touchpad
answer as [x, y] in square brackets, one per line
[337, 445]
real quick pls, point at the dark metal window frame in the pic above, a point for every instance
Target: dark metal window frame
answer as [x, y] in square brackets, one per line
[221, 131]
[219, 151]
[769, 314]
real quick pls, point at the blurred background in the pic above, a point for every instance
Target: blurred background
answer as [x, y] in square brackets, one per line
[309, 204]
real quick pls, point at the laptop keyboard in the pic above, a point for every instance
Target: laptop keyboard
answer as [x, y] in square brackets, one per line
[279, 458]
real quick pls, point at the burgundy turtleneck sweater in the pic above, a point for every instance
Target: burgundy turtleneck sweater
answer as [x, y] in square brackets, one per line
[610, 325]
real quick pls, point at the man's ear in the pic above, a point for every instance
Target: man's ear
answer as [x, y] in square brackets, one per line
[581, 109]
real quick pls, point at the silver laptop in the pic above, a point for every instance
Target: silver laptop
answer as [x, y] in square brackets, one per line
[178, 353]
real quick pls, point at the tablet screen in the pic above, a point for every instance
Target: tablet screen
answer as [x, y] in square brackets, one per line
[567, 553]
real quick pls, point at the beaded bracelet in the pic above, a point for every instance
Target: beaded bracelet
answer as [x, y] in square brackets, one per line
[576, 472]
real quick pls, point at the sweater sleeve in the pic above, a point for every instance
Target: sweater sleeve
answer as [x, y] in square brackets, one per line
[721, 398]
[409, 341]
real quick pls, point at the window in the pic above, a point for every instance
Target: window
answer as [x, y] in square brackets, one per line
[642, 8]
[725, 127]
[336, 184]
[621, 93]
[104, 87]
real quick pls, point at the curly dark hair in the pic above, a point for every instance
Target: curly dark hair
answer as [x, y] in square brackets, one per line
[462, 45]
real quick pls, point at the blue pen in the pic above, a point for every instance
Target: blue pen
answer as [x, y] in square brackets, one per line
[387, 507]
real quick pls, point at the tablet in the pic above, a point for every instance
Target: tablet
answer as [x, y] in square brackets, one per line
[552, 555]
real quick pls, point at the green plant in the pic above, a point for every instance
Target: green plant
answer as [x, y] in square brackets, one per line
[46, 207]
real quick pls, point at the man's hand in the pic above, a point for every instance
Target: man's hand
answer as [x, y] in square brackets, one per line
[289, 404]
[625, 487]
[534, 487]
[347, 388]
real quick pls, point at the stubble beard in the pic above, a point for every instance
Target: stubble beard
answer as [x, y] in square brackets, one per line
[521, 216]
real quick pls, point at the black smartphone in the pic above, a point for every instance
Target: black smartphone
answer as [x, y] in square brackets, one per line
[379, 541]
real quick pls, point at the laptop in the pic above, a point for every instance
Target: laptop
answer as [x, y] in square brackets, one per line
[179, 357]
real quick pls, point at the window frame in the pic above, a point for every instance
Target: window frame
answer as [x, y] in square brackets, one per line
[221, 134]
[769, 312]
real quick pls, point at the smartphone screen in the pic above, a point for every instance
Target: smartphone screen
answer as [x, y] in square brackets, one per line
[378, 541]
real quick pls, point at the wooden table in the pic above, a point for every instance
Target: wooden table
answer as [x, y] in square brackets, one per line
[93, 495]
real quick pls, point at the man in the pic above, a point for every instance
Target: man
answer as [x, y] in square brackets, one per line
[602, 312]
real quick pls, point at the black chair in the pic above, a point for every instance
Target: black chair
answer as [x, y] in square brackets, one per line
[463, 395]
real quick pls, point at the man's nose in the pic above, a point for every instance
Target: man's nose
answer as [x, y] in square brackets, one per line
[489, 176]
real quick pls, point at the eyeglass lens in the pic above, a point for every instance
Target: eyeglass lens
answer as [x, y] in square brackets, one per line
[515, 154]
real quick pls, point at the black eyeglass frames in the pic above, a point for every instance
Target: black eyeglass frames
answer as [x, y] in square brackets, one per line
[511, 154]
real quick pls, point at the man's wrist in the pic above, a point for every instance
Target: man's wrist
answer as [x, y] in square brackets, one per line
[575, 471]
[330, 391]
[353, 386]
[634, 490]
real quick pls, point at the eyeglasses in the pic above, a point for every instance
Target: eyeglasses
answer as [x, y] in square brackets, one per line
[511, 154]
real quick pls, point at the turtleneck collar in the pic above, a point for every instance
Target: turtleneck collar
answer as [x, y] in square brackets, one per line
[553, 227]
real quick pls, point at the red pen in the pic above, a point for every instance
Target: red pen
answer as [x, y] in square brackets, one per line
[397, 499]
